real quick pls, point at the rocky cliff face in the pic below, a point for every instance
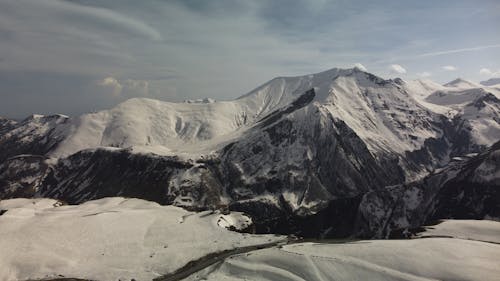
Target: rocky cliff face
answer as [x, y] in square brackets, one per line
[36, 135]
[299, 154]
[468, 188]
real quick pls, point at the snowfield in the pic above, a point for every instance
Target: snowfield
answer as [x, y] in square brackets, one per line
[417, 259]
[109, 239]
[479, 230]
[118, 238]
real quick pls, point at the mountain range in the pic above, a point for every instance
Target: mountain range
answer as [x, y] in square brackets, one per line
[337, 153]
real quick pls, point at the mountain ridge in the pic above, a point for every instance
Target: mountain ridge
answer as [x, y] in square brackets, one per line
[291, 147]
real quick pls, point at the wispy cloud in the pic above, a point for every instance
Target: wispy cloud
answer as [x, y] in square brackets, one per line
[221, 48]
[454, 51]
[105, 18]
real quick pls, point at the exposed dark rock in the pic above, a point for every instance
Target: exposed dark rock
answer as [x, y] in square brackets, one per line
[464, 190]
[299, 170]
[36, 135]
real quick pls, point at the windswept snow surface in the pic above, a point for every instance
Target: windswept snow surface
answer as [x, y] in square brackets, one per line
[107, 239]
[415, 259]
[155, 126]
[479, 230]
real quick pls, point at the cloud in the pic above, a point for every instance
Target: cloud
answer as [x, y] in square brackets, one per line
[186, 49]
[360, 67]
[59, 36]
[113, 84]
[102, 17]
[454, 51]
[449, 68]
[424, 74]
[396, 68]
[127, 87]
[489, 72]
[485, 71]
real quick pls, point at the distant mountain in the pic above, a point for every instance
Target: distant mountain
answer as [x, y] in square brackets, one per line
[461, 83]
[491, 82]
[287, 150]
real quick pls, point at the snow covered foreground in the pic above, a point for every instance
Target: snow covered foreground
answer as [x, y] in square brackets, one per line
[479, 230]
[118, 238]
[109, 239]
[415, 259]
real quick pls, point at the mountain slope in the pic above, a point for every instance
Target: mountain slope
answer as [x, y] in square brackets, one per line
[289, 149]
[36, 134]
[462, 84]
[108, 239]
[466, 189]
[173, 128]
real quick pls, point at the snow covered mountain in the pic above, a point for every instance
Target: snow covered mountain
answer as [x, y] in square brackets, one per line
[467, 188]
[292, 147]
[491, 82]
[461, 83]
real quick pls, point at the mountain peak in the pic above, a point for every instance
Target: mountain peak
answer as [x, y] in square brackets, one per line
[462, 83]
[332, 72]
[491, 82]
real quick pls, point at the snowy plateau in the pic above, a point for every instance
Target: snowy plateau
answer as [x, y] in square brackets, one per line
[150, 188]
[133, 239]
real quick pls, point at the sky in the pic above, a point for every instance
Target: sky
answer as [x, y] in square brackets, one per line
[78, 56]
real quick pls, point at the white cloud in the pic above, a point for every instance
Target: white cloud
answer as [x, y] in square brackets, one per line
[113, 84]
[128, 87]
[424, 74]
[485, 71]
[396, 68]
[360, 66]
[489, 72]
[449, 68]
[91, 40]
